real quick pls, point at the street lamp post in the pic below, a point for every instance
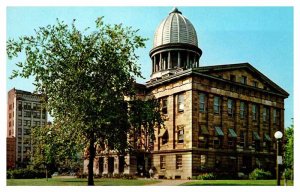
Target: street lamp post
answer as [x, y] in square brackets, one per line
[278, 135]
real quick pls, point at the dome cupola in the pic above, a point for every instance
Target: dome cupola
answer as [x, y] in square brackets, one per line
[175, 46]
[175, 29]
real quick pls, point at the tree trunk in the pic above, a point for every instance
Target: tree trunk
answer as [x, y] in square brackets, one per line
[91, 160]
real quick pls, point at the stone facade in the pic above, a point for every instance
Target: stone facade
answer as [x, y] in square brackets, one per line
[218, 118]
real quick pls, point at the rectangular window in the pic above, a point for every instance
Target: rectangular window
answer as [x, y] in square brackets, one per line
[202, 102]
[242, 139]
[254, 112]
[162, 162]
[27, 114]
[9, 115]
[255, 83]
[164, 105]
[20, 105]
[266, 113]
[178, 161]
[181, 136]
[27, 106]
[244, 80]
[44, 113]
[180, 102]
[242, 110]
[216, 104]
[19, 122]
[20, 113]
[276, 116]
[232, 78]
[230, 106]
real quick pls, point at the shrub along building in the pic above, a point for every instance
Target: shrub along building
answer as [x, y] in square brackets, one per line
[218, 118]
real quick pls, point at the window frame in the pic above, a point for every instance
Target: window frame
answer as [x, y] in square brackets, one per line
[217, 101]
[242, 109]
[178, 162]
[164, 108]
[202, 102]
[162, 162]
[180, 102]
[231, 108]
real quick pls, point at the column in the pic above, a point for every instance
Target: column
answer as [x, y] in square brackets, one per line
[179, 63]
[188, 60]
[169, 60]
[152, 59]
[105, 165]
[160, 61]
[155, 64]
[116, 164]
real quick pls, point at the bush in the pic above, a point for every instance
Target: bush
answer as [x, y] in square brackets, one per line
[206, 176]
[128, 176]
[259, 174]
[26, 174]
[288, 174]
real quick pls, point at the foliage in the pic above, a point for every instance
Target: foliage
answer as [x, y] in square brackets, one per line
[84, 76]
[144, 116]
[289, 148]
[206, 176]
[25, 174]
[259, 174]
[55, 147]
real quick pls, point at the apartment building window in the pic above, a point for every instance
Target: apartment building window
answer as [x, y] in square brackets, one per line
[244, 80]
[164, 105]
[242, 109]
[20, 105]
[202, 102]
[178, 161]
[44, 113]
[27, 106]
[20, 122]
[9, 115]
[10, 107]
[230, 106]
[162, 162]
[20, 113]
[254, 112]
[9, 124]
[275, 116]
[27, 114]
[180, 102]
[216, 104]
[266, 113]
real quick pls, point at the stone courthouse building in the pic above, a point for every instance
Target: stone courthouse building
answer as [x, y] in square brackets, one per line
[219, 118]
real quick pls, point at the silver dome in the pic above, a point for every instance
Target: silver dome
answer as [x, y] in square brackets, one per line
[175, 29]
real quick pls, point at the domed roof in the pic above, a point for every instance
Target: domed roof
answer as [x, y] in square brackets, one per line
[175, 29]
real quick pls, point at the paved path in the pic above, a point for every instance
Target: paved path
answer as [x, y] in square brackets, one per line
[166, 182]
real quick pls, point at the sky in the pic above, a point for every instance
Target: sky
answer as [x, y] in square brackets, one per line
[261, 36]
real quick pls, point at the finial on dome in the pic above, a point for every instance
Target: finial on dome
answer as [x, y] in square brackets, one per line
[175, 10]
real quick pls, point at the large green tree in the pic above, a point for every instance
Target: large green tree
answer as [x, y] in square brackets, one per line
[85, 76]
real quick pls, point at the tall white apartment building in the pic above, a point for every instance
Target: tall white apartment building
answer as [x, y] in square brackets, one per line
[25, 111]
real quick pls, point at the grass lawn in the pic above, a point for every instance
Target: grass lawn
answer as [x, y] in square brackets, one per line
[77, 182]
[235, 183]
